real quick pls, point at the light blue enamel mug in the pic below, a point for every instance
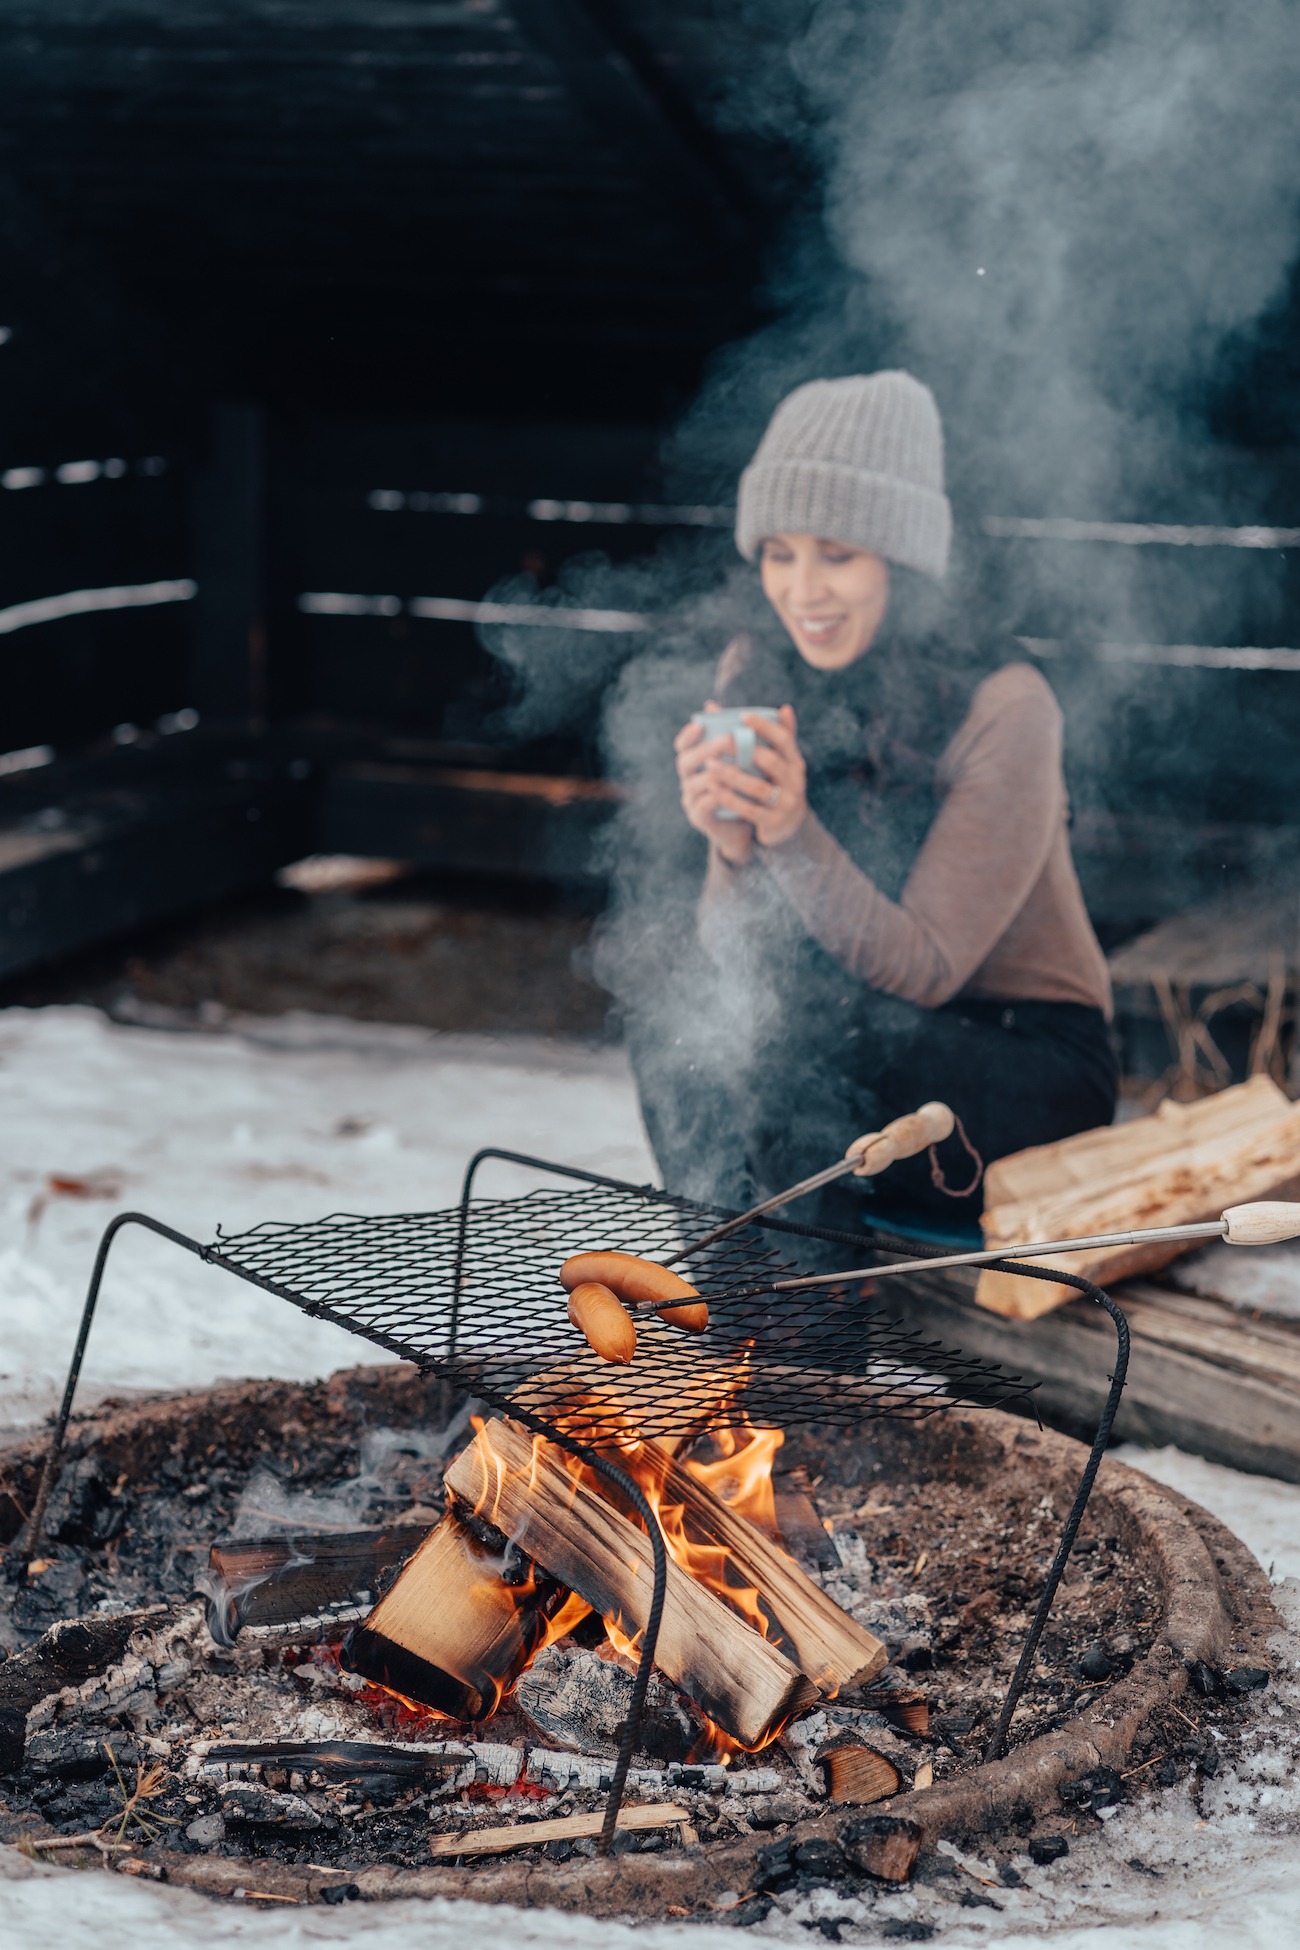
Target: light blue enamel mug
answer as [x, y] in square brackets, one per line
[730, 723]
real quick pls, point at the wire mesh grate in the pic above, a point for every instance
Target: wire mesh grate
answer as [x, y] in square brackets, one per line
[474, 1295]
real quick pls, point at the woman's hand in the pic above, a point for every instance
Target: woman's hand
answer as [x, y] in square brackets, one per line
[770, 806]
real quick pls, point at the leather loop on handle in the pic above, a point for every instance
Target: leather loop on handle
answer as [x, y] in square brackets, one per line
[903, 1138]
[1263, 1223]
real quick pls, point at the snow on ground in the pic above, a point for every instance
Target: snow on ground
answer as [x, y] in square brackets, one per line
[285, 1118]
[1267, 1277]
[1265, 1514]
[296, 1116]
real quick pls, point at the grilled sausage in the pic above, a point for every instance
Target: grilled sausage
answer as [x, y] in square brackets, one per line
[639, 1283]
[603, 1318]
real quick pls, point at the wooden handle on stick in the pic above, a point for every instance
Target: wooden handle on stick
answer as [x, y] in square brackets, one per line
[901, 1139]
[1263, 1223]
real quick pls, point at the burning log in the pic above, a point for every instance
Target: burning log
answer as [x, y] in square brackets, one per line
[279, 1580]
[579, 1701]
[373, 1768]
[824, 1642]
[458, 1625]
[743, 1683]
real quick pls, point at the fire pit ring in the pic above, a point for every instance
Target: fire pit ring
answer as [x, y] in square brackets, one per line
[791, 1368]
[1214, 1609]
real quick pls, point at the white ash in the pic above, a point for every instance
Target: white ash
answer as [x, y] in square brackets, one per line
[580, 1701]
[258, 1807]
[901, 1620]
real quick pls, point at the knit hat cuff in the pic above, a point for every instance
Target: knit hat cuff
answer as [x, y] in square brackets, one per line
[905, 523]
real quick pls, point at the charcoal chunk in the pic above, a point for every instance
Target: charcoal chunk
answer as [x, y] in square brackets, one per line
[820, 1856]
[907, 1930]
[1245, 1679]
[1047, 1848]
[775, 1872]
[1203, 1679]
[244, 1804]
[1103, 1788]
[1094, 1666]
[340, 1892]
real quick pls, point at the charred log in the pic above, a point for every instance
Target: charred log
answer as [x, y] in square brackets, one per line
[458, 1625]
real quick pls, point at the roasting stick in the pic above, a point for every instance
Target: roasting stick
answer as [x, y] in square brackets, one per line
[864, 1158]
[1263, 1223]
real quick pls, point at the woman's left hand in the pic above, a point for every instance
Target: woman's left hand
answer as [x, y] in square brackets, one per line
[775, 802]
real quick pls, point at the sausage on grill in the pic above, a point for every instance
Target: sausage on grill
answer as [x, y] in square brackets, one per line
[603, 1318]
[639, 1283]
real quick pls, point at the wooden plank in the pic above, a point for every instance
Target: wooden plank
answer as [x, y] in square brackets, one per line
[1172, 1395]
[740, 1680]
[564, 1828]
[1233, 1345]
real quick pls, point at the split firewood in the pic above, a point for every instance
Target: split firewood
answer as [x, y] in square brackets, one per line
[883, 1845]
[458, 1625]
[802, 1531]
[904, 1706]
[565, 1828]
[1185, 1163]
[810, 1628]
[858, 1774]
[742, 1682]
[266, 1581]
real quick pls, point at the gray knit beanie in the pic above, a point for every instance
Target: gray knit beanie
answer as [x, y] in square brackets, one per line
[855, 460]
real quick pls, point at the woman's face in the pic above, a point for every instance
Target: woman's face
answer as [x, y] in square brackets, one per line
[831, 597]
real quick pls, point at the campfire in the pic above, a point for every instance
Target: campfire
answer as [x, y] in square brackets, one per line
[615, 1573]
[868, 1594]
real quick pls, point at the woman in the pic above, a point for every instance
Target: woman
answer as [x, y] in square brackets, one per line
[894, 882]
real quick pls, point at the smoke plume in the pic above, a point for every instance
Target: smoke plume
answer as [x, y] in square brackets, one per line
[1070, 219]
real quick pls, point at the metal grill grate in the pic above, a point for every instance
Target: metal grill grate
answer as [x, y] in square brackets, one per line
[474, 1294]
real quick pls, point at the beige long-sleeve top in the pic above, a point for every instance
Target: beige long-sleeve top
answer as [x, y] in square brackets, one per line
[992, 906]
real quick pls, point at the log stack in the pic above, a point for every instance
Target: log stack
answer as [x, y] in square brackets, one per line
[441, 1636]
[1186, 1162]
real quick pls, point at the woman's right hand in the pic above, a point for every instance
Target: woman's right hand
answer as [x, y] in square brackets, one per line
[733, 838]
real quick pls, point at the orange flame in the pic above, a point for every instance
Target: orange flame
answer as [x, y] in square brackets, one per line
[739, 1473]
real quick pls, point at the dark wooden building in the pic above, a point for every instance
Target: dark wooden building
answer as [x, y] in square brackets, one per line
[323, 319]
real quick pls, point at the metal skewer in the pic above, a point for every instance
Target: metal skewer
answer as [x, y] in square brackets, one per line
[865, 1157]
[1260, 1224]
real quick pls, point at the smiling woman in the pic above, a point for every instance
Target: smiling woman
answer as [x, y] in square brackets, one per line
[889, 887]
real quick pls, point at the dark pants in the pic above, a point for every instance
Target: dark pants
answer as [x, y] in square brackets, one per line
[848, 1059]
